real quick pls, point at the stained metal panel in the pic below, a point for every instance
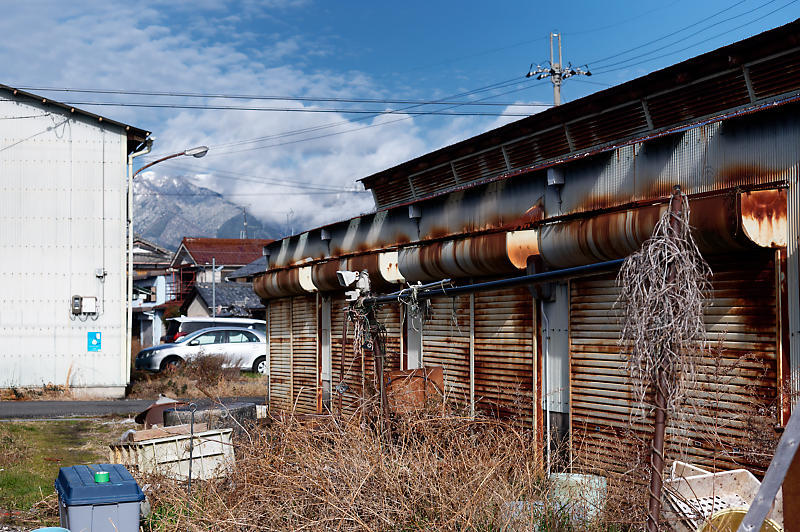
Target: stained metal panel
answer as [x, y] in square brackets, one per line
[793, 274]
[765, 81]
[62, 218]
[446, 343]
[504, 354]
[555, 330]
[304, 354]
[280, 354]
[731, 386]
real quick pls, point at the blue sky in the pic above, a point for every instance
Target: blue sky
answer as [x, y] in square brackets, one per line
[311, 48]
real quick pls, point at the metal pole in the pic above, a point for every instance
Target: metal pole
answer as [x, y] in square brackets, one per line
[213, 287]
[377, 355]
[575, 271]
[340, 386]
[660, 423]
[555, 77]
[192, 408]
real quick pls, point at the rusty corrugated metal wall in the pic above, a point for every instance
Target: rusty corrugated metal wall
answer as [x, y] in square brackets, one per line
[359, 371]
[345, 368]
[504, 354]
[735, 387]
[446, 343]
[280, 353]
[304, 354]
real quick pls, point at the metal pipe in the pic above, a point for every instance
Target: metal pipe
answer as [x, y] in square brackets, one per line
[213, 287]
[546, 380]
[575, 271]
[129, 318]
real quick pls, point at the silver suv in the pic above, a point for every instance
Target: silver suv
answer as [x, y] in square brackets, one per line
[241, 347]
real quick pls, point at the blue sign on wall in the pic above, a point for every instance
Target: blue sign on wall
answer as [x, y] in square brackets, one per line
[93, 341]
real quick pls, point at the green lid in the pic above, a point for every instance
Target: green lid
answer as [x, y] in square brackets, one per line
[101, 477]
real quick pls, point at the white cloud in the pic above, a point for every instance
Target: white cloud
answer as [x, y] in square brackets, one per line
[96, 43]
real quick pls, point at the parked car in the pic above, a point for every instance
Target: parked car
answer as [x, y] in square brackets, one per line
[179, 327]
[242, 347]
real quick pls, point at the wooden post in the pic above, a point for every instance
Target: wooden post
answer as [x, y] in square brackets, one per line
[791, 497]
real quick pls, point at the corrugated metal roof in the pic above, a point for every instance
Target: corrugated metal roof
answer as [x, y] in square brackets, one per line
[135, 134]
[230, 295]
[749, 72]
[226, 251]
[257, 266]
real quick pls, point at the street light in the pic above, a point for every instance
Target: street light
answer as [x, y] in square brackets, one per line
[197, 152]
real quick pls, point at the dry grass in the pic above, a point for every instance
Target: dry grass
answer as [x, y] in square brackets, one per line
[199, 378]
[440, 471]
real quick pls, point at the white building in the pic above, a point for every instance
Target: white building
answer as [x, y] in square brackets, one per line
[63, 234]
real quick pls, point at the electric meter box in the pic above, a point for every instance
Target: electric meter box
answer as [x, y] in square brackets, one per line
[98, 497]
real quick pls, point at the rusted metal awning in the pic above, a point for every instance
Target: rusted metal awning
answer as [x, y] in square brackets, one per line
[720, 223]
[479, 256]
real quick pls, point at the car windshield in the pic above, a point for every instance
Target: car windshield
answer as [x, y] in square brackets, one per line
[182, 339]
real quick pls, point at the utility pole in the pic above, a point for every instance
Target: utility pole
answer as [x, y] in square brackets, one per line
[556, 71]
[243, 232]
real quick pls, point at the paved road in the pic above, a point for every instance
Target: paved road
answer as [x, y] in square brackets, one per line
[59, 409]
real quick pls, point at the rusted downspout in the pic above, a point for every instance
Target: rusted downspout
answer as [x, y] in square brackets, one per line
[660, 424]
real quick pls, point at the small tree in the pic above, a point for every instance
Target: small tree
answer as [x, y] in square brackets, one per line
[662, 299]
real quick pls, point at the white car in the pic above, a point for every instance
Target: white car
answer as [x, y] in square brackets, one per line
[183, 325]
[241, 347]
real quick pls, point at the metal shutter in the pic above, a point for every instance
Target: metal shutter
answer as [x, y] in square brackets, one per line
[741, 321]
[504, 354]
[304, 354]
[391, 317]
[446, 343]
[280, 354]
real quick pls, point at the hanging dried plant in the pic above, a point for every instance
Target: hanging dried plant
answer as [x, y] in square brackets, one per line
[662, 299]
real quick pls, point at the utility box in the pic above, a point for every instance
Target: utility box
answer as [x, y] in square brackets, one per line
[211, 455]
[98, 498]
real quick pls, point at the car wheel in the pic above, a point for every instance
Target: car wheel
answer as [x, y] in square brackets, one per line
[171, 364]
[260, 365]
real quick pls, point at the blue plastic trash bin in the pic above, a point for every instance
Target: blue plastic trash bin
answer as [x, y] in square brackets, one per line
[92, 502]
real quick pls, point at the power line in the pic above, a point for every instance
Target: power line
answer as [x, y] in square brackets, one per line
[269, 97]
[335, 133]
[215, 194]
[668, 35]
[290, 109]
[496, 86]
[704, 40]
[237, 176]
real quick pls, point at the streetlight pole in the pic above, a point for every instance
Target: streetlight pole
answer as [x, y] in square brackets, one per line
[197, 152]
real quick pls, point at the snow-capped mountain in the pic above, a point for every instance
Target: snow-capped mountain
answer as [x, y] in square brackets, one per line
[168, 208]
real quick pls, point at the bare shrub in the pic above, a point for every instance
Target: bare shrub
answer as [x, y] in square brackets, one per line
[440, 471]
[201, 376]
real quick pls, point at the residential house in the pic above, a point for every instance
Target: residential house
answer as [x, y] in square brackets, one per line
[231, 300]
[150, 265]
[203, 259]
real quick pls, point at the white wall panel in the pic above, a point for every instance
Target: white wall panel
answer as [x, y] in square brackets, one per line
[62, 217]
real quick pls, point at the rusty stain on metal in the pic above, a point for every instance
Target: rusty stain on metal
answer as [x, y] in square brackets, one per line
[280, 283]
[492, 254]
[764, 217]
